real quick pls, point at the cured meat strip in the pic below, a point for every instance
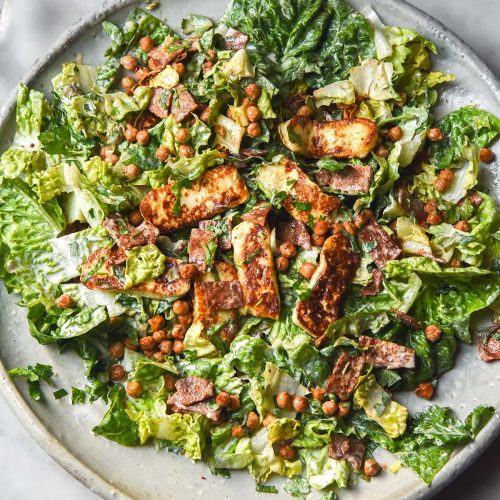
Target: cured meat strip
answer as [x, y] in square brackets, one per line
[160, 102]
[183, 106]
[345, 375]
[385, 249]
[407, 319]
[387, 354]
[192, 390]
[375, 286]
[199, 250]
[235, 40]
[488, 343]
[347, 448]
[222, 294]
[337, 267]
[223, 229]
[127, 236]
[352, 179]
[212, 414]
[295, 232]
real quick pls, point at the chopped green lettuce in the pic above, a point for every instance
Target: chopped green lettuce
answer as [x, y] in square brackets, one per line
[143, 264]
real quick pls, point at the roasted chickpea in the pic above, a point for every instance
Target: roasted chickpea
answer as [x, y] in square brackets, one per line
[434, 218]
[462, 225]
[105, 151]
[371, 468]
[318, 393]
[130, 133]
[286, 452]
[127, 83]
[254, 114]
[162, 153]
[234, 403]
[179, 67]
[253, 421]
[330, 408]
[254, 130]
[166, 346]
[141, 72]
[382, 151]
[268, 419]
[281, 263]
[435, 134]
[178, 332]
[186, 151]
[159, 356]
[130, 345]
[207, 66]
[129, 62]
[143, 137]
[321, 227]
[395, 133]
[252, 90]
[135, 218]
[131, 171]
[455, 263]
[238, 432]
[246, 102]
[178, 346]
[116, 372]
[182, 134]
[146, 43]
[288, 250]
[134, 388]
[160, 335]
[284, 400]
[337, 228]
[317, 241]
[363, 218]
[116, 350]
[64, 301]
[223, 399]
[304, 111]
[147, 343]
[433, 333]
[425, 390]
[344, 409]
[187, 271]
[307, 269]
[350, 228]
[300, 404]
[156, 322]
[205, 114]
[169, 381]
[112, 158]
[185, 319]
[444, 180]
[430, 206]
[486, 155]
[148, 354]
[180, 307]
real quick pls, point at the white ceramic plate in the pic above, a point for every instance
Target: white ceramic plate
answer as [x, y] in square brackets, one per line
[116, 472]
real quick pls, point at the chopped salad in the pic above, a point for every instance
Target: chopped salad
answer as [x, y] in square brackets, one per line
[255, 234]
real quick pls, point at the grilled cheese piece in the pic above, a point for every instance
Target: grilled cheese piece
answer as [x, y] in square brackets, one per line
[337, 267]
[351, 138]
[214, 192]
[255, 267]
[305, 200]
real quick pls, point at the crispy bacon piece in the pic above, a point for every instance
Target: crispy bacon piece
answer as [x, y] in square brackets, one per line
[127, 236]
[345, 375]
[215, 415]
[347, 448]
[225, 227]
[411, 204]
[235, 40]
[295, 232]
[183, 106]
[160, 102]
[488, 343]
[165, 54]
[387, 354]
[198, 248]
[192, 390]
[375, 285]
[385, 250]
[352, 179]
[223, 294]
[407, 319]
[337, 267]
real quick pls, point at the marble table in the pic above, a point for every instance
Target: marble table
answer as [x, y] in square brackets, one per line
[27, 29]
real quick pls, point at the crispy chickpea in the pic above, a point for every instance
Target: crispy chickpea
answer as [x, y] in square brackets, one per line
[112, 158]
[462, 225]
[284, 400]
[223, 399]
[337, 228]
[281, 263]
[178, 332]
[127, 83]
[238, 432]
[268, 419]
[444, 180]
[435, 134]
[321, 227]
[129, 62]
[143, 137]
[220, 130]
[156, 322]
[304, 111]
[350, 228]
[395, 133]
[179, 67]
[434, 218]
[307, 269]
[141, 72]
[205, 114]
[186, 151]
[371, 468]
[486, 155]
[132, 171]
[455, 263]
[135, 217]
[130, 133]
[187, 271]
[318, 393]
[254, 114]
[207, 66]
[130, 345]
[159, 356]
[252, 90]
[382, 151]
[317, 241]
[180, 307]
[300, 404]
[254, 130]
[134, 388]
[105, 151]
[116, 372]
[160, 335]
[148, 353]
[162, 153]
[288, 250]
[64, 301]
[185, 319]
[169, 381]
[234, 403]
[430, 206]
[154, 64]
[166, 346]
[286, 452]
[363, 218]
[344, 409]
[246, 102]
[182, 134]
[146, 43]
[330, 408]
[178, 346]
[147, 343]
[116, 350]
[433, 333]
[253, 421]
[425, 390]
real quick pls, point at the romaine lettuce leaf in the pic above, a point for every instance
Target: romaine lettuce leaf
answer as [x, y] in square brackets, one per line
[143, 264]
[323, 471]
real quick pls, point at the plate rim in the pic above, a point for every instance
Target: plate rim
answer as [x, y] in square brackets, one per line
[14, 398]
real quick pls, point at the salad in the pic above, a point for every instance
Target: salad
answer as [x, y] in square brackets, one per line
[255, 234]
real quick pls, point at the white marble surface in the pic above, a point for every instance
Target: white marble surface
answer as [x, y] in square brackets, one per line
[27, 29]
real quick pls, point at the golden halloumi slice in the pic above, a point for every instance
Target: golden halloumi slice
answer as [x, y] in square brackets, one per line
[305, 201]
[350, 138]
[255, 267]
[337, 266]
[214, 192]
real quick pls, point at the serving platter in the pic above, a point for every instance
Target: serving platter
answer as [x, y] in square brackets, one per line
[116, 472]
